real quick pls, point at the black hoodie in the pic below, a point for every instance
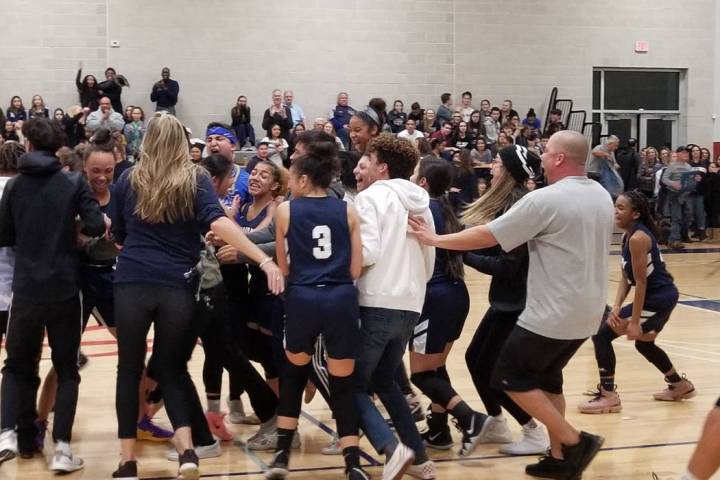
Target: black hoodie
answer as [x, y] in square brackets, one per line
[37, 217]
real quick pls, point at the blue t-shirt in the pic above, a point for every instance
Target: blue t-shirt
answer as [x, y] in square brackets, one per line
[163, 253]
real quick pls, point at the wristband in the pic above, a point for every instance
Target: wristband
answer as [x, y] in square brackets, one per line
[265, 262]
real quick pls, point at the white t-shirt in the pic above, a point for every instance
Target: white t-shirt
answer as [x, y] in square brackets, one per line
[414, 136]
[568, 227]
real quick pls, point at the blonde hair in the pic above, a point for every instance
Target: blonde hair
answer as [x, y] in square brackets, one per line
[504, 191]
[165, 180]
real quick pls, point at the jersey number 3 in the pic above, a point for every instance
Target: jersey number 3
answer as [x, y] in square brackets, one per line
[323, 251]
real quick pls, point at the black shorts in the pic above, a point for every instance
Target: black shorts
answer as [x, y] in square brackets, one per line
[261, 312]
[446, 307]
[96, 285]
[529, 361]
[330, 310]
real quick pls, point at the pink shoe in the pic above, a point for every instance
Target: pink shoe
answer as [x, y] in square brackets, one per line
[604, 401]
[674, 392]
[216, 422]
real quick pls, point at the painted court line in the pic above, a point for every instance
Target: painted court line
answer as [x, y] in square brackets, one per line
[444, 460]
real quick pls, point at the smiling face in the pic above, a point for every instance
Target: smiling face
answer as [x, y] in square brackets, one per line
[262, 180]
[99, 169]
[369, 171]
[276, 97]
[360, 133]
[275, 131]
[136, 114]
[625, 214]
[105, 104]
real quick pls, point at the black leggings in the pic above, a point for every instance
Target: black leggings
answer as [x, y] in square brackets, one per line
[481, 355]
[171, 311]
[605, 354]
[221, 349]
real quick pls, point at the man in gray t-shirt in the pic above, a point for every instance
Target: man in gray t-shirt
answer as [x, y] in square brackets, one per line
[567, 227]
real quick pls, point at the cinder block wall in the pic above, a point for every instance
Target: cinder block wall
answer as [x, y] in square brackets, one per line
[411, 50]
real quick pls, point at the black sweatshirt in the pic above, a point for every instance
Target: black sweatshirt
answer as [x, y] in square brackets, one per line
[37, 217]
[508, 287]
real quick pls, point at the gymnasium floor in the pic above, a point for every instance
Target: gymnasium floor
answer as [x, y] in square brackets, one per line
[646, 437]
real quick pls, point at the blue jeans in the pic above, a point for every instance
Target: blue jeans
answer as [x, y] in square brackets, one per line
[384, 337]
[679, 216]
[697, 203]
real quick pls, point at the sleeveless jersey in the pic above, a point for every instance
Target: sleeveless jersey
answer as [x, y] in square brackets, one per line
[250, 225]
[658, 278]
[318, 241]
[258, 280]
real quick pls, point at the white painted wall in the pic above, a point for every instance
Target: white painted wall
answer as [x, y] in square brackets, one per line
[408, 49]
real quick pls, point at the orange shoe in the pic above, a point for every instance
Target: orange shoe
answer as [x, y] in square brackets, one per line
[216, 422]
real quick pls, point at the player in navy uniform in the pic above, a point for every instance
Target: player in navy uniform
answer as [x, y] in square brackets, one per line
[325, 256]
[654, 299]
[446, 307]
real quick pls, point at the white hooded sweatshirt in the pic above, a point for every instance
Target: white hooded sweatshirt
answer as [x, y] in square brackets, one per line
[397, 266]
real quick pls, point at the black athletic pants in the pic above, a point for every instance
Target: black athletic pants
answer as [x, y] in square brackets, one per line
[20, 382]
[171, 311]
[222, 351]
[481, 355]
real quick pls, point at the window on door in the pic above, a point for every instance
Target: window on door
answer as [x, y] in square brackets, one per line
[638, 103]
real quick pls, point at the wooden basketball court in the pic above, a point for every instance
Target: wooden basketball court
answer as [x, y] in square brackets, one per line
[647, 437]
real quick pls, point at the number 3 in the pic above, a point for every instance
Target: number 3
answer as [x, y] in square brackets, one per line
[321, 233]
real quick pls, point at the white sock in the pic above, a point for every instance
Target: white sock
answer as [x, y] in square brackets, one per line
[530, 424]
[64, 448]
[688, 476]
[213, 406]
[498, 418]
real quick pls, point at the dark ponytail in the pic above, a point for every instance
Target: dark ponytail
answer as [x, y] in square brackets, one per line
[640, 204]
[438, 174]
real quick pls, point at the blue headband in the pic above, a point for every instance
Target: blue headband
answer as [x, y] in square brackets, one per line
[218, 130]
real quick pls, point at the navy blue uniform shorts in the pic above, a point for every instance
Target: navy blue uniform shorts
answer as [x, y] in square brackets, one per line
[96, 285]
[446, 307]
[330, 310]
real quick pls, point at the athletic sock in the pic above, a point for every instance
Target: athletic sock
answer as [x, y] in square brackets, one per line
[213, 404]
[674, 378]
[608, 383]
[390, 449]
[64, 448]
[437, 420]
[463, 413]
[352, 457]
[285, 437]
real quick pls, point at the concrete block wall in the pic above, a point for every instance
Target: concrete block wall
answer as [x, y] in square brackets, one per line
[411, 50]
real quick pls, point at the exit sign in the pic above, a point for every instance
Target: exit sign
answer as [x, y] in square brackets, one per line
[641, 46]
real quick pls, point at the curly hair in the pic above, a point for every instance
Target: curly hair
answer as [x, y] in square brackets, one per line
[9, 154]
[398, 153]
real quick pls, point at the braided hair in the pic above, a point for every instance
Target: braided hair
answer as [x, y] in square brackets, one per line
[640, 204]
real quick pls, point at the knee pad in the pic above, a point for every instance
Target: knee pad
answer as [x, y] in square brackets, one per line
[435, 386]
[645, 348]
[291, 388]
[343, 405]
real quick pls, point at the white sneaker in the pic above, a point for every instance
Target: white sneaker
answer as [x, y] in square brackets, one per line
[496, 431]
[237, 413]
[398, 463]
[266, 438]
[8, 445]
[333, 448]
[534, 441]
[64, 463]
[205, 451]
[423, 471]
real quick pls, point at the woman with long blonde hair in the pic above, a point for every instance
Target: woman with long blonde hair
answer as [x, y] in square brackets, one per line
[160, 209]
[511, 168]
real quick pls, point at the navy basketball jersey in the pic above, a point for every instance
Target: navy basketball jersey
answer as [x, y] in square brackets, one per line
[658, 277]
[250, 225]
[318, 242]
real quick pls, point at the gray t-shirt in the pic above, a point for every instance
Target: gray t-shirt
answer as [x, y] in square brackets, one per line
[568, 227]
[594, 164]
